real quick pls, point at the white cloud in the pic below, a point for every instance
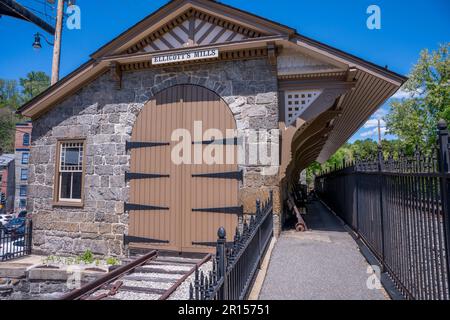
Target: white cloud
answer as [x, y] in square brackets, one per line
[373, 132]
[380, 113]
[401, 94]
[373, 123]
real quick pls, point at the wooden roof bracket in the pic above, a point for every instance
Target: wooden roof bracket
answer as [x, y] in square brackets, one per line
[351, 74]
[116, 73]
[272, 53]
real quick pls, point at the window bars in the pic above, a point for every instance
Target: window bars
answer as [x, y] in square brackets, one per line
[71, 157]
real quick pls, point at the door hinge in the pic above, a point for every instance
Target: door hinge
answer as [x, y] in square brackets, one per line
[136, 145]
[135, 175]
[141, 207]
[237, 175]
[127, 239]
[228, 210]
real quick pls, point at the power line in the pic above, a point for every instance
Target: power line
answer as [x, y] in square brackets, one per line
[40, 12]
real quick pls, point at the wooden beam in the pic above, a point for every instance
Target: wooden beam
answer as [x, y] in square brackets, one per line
[116, 72]
[272, 53]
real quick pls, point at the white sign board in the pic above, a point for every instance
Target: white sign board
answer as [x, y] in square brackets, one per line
[185, 56]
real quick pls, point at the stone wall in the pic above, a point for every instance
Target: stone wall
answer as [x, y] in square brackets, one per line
[105, 117]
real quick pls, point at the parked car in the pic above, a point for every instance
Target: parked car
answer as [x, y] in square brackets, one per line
[14, 224]
[4, 219]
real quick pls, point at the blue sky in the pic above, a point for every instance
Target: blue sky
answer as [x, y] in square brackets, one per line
[407, 26]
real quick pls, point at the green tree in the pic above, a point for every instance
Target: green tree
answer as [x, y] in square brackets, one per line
[9, 102]
[9, 94]
[414, 118]
[33, 84]
[12, 96]
[364, 149]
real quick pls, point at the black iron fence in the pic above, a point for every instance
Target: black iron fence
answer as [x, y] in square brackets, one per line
[235, 265]
[400, 209]
[15, 239]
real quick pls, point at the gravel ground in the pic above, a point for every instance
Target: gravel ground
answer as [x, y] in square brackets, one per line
[172, 267]
[322, 264]
[167, 267]
[127, 295]
[182, 292]
[148, 284]
[158, 275]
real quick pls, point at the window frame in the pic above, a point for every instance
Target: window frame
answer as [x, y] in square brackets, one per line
[21, 174]
[21, 188]
[21, 201]
[28, 139]
[28, 157]
[57, 202]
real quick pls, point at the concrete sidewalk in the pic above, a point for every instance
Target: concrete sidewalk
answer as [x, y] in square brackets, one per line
[321, 264]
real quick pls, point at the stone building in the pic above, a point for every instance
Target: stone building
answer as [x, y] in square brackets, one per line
[22, 155]
[102, 173]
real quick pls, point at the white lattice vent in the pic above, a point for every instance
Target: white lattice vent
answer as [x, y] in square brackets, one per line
[296, 102]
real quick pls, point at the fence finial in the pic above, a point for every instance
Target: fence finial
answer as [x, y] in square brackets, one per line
[442, 124]
[221, 233]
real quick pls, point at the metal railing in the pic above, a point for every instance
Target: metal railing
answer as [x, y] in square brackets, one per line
[235, 265]
[16, 242]
[400, 209]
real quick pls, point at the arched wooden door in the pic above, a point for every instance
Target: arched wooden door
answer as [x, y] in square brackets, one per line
[180, 206]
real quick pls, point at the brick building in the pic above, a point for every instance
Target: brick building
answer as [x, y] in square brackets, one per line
[22, 155]
[7, 180]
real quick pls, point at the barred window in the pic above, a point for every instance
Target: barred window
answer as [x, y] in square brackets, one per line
[70, 171]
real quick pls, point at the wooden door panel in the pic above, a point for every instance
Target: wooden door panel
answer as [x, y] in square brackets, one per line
[174, 108]
[205, 106]
[155, 123]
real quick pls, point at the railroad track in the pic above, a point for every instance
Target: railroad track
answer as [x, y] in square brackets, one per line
[147, 277]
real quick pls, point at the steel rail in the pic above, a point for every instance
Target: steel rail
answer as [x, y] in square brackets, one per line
[97, 284]
[171, 290]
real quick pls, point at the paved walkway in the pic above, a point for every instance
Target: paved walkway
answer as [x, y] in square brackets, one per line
[321, 264]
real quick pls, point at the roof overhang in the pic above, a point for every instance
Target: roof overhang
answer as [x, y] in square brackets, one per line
[93, 68]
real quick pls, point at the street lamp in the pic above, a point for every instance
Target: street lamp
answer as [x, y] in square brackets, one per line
[37, 41]
[57, 37]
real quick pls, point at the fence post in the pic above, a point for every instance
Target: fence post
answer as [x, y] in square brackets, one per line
[356, 195]
[445, 197]
[222, 262]
[258, 215]
[380, 183]
[28, 235]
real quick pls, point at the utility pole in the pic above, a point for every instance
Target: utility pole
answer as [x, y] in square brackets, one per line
[379, 132]
[57, 44]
